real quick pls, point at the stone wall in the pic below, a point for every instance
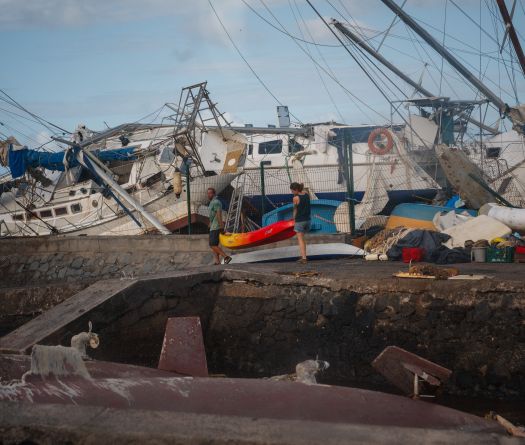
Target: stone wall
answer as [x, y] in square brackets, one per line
[27, 261]
[259, 324]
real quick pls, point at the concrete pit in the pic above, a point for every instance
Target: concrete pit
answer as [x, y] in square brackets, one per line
[259, 322]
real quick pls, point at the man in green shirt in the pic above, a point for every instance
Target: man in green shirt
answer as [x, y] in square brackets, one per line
[216, 227]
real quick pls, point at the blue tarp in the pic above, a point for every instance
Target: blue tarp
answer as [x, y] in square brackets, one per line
[21, 160]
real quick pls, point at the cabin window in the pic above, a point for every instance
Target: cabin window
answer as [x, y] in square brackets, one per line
[76, 208]
[18, 217]
[294, 146]
[60, 211]
[493, 152]
[271, 147]
[250, 149]
[46, 214]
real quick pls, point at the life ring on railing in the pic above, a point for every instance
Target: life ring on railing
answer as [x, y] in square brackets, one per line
[380, 146]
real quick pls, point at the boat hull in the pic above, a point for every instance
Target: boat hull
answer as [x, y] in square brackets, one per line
[273, 233]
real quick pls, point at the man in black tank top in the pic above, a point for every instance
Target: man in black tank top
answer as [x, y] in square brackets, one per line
[301, 216]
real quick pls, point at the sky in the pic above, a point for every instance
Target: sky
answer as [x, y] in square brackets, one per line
[112, 61]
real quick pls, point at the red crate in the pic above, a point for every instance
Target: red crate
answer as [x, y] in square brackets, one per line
[520, 250]
[414, 254]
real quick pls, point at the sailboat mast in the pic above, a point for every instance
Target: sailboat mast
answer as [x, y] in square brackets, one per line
[512, 32]
[441, 50]
[358, 41]
[115, 187]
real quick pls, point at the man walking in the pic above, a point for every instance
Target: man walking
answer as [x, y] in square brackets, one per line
[216, 227]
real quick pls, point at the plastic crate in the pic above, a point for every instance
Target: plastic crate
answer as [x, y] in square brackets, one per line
[495, 255]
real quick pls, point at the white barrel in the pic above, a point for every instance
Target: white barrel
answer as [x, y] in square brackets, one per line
[513, 218]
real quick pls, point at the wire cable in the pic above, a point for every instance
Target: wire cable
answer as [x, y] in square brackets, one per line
[263, 84]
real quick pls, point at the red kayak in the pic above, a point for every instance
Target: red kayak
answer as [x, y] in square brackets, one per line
[278, 231]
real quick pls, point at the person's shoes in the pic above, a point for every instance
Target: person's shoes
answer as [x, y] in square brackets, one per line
[216, 264]
[227, 259]
[302, 261]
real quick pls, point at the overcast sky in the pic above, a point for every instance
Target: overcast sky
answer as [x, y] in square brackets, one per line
[96, 61]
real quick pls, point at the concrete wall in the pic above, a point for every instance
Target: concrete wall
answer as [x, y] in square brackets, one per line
[27, 261]
[261, 324]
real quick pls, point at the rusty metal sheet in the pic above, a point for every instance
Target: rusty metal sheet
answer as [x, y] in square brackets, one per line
[398, 367]
[248, 398]
[183, 347]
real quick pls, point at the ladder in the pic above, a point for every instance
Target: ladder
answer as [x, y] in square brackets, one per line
[194, 110]
[234, 210]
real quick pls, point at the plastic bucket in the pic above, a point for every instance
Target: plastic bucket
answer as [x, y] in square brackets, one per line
[414, 254]
[478, 254]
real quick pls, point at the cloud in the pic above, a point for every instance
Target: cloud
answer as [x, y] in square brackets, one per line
[194, 19]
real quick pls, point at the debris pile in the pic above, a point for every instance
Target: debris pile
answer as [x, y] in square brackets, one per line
[455, 236]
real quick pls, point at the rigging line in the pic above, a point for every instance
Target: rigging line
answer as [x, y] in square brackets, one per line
[495, 21]
[377, 68]
[352, 96]
[474, 22]
[18, 131]
[357, 61]
[282, 31]
[47, 127]
[450, 36]
[20, 115]
[32, 114]
[434, 65]
[453, 50]
[320, 54]
[443, 44]
[365, 56]
[246, 61]
[32, 129]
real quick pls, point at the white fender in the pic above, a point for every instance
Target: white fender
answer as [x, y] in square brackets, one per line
[513, 218]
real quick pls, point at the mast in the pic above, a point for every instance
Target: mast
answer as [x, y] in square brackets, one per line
[358, 41]
[502, 107]
[107, 178]
[507, 19]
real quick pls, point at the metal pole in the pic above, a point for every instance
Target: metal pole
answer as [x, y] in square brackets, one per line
[188, 196]
[349, 174]
[446, 55]
[93, 161]
[358, 41]
[263, 190]
[125, 196]
[512, 33]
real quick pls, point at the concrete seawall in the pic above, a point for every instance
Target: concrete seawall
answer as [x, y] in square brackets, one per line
[39, 272]
[261, 320]
[26, 261]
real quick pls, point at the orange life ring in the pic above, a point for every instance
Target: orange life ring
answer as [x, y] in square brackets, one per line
[383, 146]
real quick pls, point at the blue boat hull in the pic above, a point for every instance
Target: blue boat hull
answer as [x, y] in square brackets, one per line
[272, 202]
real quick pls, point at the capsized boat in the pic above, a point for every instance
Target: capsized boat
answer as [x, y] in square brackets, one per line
[273, 233]
[128, 180]
[418, 216]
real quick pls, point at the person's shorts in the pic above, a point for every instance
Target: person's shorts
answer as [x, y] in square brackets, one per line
[214, 237]
[302, 226]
